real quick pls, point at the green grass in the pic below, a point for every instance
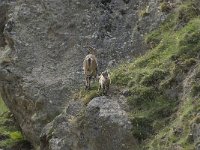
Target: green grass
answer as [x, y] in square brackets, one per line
[87, 95]
[155, 79]
[8, 128]
[3, 107]
[166, 137]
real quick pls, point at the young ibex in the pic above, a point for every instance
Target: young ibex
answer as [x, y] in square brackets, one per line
[90, 67]
[104, 82]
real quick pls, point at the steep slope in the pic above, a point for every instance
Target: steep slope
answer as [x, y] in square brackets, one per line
[162, 86]
[162, 89]
[43, 49]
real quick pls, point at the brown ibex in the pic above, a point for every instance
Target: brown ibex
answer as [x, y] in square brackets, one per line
[90, 67]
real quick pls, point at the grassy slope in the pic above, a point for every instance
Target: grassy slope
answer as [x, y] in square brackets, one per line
[164, 83]
[9, 133]
[159, 101]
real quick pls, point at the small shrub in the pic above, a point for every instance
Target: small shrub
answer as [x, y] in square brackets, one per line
[165, 7]
[16, 135]
[154, 78]
[163, 111]
[187, 12]
[142, 95]
[142, 128]
[190, 62]
[187, 64]
[195, 91]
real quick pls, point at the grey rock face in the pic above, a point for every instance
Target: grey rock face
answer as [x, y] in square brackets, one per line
[3, 10]
[107, 126]
[41, 61]
[103, 125]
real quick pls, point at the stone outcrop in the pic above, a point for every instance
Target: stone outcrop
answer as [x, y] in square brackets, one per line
[43, 49]
[102, 125]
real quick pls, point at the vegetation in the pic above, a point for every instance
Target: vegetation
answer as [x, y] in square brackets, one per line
[9, 133]
[164, 83]
[156, 81]
[165, 7]
[3, 107]
[87, 95]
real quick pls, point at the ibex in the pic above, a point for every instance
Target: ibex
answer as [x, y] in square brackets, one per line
[90, 67]
[104, 82]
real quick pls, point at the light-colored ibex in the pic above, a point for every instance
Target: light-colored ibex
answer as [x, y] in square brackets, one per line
[104, 82]
[90, 67]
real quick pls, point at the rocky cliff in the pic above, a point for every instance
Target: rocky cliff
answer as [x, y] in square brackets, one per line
[42, 49]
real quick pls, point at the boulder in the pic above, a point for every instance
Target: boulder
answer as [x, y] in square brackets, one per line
[102, 125]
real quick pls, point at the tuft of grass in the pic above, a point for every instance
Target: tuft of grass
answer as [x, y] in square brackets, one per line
[87, 95]
[142, 128]
[16, 135]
